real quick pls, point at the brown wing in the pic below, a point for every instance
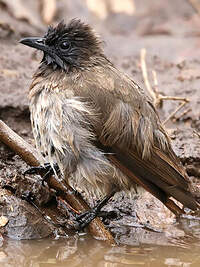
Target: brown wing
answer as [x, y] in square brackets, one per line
[139, 146]
[130, 130]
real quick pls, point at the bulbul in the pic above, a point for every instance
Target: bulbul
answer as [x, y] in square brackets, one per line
[99, 127]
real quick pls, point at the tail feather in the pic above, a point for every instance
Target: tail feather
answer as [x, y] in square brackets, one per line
[159, 175]
[154, 190]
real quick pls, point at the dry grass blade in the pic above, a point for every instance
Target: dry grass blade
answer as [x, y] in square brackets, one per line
[183, 113]
[174, 112]
[158, 97]
[155, 80]
[145, 74]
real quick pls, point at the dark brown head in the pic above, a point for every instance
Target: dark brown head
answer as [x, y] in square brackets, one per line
[67, 46]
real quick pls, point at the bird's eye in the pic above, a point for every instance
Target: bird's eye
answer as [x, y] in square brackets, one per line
[65, 45]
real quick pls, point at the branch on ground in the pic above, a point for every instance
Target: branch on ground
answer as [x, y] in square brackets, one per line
[30, 156]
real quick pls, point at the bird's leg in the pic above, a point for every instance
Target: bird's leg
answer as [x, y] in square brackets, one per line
[86, 217]
[45, 171]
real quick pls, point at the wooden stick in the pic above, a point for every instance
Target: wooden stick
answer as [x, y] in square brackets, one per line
[30, 156]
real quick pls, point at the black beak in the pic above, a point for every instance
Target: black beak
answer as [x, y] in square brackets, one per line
[35, 42]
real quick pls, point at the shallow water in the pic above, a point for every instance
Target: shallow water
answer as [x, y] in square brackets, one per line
[85, 251]
[177, 245]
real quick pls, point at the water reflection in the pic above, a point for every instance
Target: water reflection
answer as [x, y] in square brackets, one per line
[137, 246]
[84, 251]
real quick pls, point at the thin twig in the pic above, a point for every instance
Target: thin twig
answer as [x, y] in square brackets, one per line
[186, 100]
[145, 74]
[183, 113]
[198, 134]
[30, 156]
[158, 100]
[158, 97]
[174, 112]
[155, 81]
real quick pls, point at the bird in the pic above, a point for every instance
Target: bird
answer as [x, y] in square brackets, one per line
[96, 124]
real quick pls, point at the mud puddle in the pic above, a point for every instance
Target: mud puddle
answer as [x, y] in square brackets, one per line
[85, 252]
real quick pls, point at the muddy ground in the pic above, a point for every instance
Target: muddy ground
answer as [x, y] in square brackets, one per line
[170, 33]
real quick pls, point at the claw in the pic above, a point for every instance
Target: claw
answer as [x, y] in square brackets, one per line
[47, 175]
[28, 196]
[86, 217]
[45, 171]
[34, 170]
[108, 214]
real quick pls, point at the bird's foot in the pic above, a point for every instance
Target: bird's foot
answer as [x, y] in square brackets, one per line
[28, 196]
[45, 171]
[86, 217]
[108, 215]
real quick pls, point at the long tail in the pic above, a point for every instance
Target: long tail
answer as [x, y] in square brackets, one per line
[161, 176]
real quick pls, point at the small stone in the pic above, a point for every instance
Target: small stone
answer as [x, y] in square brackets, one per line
[3, 221]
